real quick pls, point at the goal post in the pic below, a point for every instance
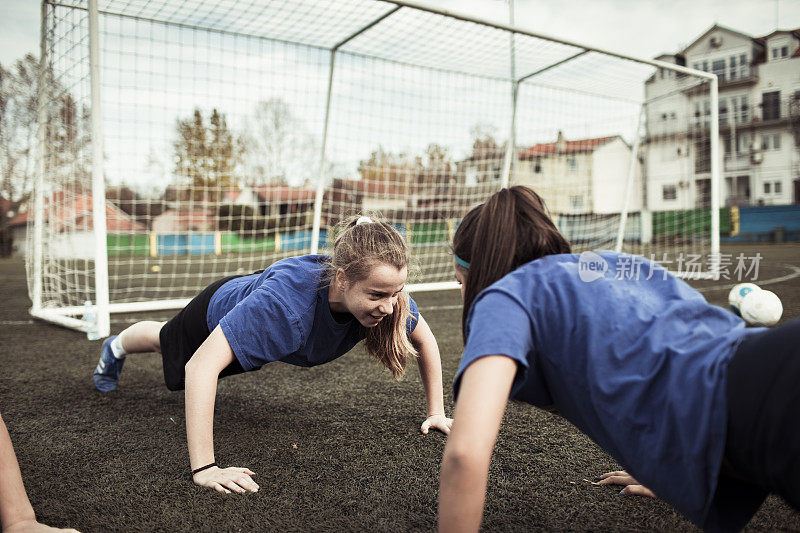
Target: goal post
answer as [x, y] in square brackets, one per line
[178, 145]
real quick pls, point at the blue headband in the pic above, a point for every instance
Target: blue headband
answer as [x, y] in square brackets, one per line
[461, 261]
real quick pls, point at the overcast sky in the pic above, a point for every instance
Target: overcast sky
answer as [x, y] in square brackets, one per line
[643, 28]
[140, 134]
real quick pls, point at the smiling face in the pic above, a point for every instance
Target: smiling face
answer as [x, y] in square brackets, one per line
[371, 299]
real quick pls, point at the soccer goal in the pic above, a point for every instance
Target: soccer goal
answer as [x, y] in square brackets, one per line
[183, 141]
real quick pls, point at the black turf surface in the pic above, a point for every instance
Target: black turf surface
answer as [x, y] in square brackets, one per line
[335, 447]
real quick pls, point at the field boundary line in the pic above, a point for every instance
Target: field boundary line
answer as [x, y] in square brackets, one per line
[770, 281]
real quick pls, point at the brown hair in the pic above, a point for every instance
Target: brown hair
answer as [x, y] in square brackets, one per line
[357, 248]
[512, 228]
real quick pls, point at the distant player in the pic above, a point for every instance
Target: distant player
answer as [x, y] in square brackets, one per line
[697, 408]
[304, 311]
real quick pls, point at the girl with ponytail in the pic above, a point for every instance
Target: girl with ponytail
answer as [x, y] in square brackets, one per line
[304, 311]
[698, 409]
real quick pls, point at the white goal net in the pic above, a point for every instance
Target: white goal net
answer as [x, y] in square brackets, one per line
[184, 141]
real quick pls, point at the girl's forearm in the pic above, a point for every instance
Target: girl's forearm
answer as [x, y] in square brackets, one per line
[430, 366]
[14, 504]
[201, 389]
[462, 491]
[431, 374]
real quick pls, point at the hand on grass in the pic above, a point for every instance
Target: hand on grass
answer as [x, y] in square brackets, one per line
[620, 477]
[227, 480]
[440, 422]
[32, 526]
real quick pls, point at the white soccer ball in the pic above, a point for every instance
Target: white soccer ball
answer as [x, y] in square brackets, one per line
[738, 293]
[761, 308]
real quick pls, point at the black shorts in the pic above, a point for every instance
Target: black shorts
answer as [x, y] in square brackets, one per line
[184, 333]
[762, 450]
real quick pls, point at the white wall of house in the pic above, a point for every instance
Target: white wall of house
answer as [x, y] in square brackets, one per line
[743, 156]
[382, 204]
[73, 245]
[610, 165]
[780, 74]
[563, 181]
[669, 170]
[585, 182]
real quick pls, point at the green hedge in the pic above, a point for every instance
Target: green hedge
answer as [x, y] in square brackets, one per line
[428, 233]
[232, 242]
[689, 222]
[126, 244]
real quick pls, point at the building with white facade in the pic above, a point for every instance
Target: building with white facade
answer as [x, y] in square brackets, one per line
[581, 176]
[759, 119]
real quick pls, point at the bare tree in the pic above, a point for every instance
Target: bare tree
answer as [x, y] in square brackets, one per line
[18, 123]
[278, 149]
[66, 131]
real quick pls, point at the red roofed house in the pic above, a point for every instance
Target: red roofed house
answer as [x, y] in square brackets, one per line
[70, 224]
[581, 176]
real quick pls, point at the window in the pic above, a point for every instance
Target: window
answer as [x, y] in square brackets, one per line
[718, 68]
[784, 51]
[743, 143]
[739, 113]
[723, 112]
[732, 63]
[576, 201]
[703, 190]
[572, 164]
[774, 53]
[743, 66]
[744, 110]
[771, 142]
[669, 192]
[726, 144]
[770, 105]
[767, 187]
[705, 66]
[537, 165]
[776, 141]
[778, 187]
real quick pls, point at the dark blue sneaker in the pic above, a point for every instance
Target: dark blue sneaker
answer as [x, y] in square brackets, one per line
[107, 372]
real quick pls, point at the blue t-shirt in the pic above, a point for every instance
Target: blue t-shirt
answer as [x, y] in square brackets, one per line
[282, 314]
[631, 355]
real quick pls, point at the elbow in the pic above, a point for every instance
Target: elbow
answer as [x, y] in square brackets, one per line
[195, 369]
[190, 367]
[463, 458]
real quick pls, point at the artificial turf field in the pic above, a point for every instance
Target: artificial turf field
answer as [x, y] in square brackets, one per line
[335, 447]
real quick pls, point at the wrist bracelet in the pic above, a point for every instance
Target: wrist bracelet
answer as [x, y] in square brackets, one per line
[196, 470]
